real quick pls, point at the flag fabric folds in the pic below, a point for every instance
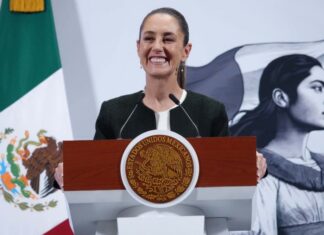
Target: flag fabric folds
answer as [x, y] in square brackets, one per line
[34, 119]
[233, 77]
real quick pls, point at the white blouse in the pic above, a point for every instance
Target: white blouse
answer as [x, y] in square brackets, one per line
[281, 205]
[163, 118]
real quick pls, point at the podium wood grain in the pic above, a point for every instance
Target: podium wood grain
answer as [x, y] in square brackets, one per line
[95, 165]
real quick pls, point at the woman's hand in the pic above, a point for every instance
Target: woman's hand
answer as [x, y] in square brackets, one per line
[261, 164]
[59, 174]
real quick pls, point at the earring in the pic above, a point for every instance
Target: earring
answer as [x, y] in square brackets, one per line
[176, 71]
[182, 66]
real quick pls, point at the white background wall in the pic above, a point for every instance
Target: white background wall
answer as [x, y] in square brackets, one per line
[97, 41]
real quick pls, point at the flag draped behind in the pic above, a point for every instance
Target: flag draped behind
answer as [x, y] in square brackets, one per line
[233, 77]
[34, 119]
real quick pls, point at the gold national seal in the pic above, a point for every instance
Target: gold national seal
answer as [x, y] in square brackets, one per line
[159, 168]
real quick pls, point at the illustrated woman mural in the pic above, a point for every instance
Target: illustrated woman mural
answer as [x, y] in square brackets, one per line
[290, 200]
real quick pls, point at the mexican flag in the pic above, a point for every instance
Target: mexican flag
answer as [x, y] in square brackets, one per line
[34, 119]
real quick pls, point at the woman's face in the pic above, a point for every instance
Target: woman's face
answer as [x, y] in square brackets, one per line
[309, 106]
[160, 47]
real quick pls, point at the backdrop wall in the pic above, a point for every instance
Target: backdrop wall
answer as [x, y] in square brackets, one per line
[97, 41]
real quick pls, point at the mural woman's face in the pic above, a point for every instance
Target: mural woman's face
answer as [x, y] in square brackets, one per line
[309, 107]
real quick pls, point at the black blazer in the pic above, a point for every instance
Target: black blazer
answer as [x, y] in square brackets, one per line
[209, 116]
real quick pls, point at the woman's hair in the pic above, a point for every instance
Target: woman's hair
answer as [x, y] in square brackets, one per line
[181, 76]
[285, 73]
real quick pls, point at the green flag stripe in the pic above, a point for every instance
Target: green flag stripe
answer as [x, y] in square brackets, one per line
[28, 51]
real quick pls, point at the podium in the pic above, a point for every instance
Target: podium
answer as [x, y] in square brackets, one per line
[223, 193]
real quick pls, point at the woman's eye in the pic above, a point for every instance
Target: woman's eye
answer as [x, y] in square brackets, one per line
[148, 39]
[318, 88]
[168, 39]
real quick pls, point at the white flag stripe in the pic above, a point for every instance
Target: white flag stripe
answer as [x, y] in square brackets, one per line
[254, 57]
[34, 223]
[44, 107]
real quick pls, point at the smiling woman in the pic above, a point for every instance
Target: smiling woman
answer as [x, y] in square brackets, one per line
[180, 29]
[163, 48]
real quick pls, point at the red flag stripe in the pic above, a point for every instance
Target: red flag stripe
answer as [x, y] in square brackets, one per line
[63, 228]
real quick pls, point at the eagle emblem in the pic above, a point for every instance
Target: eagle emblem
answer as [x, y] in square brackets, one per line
[27, 168]
[159, 169]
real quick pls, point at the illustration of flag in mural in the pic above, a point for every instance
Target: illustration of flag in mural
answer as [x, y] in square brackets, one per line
[233, 77]
[34, 119]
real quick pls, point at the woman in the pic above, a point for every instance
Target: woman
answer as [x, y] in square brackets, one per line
[163, 48]
[291, 105]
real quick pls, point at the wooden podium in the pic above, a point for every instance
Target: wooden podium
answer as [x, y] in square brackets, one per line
[94, 189]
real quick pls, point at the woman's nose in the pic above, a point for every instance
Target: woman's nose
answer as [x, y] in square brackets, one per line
[158, 45]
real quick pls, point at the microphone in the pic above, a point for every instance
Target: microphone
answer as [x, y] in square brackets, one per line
[177, 102]
[130, 115]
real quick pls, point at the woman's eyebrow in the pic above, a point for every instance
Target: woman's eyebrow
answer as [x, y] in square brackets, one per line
[319, 81]
[148, 32]
[168, 34]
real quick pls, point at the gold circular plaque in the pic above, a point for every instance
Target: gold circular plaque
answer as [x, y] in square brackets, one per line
[159, 168]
